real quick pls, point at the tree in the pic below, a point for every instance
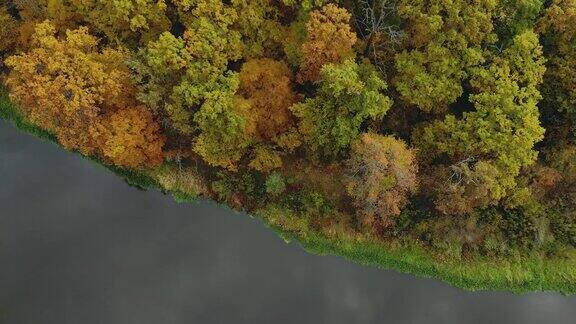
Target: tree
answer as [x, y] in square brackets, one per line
[226, 131]
[445, 40]
[515, 16]
[61, 13]
[124, 20]
[84, 95]
[33, 12]
[9, 29]
[563, 160]
[349, 95]
[559, 28]
[275, 184]
[63, 85]
[176, 75]
[381, 176]
[378, 24]
[329, 40]
[496, 139]
[306, 5]
[267, 85]
[259, 26]
[129, 137]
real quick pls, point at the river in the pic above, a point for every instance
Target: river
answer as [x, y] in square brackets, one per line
[79, 246]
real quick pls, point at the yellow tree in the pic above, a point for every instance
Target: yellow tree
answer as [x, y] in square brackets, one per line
[66, 85]
[129, 137]
[267, 86]
[124, 20]
[329, 40]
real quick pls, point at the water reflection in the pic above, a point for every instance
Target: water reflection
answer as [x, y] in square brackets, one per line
[77, 245]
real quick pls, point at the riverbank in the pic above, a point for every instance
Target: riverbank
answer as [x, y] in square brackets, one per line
[520, 274]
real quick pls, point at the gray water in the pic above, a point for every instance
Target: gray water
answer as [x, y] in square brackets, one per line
[78, 245]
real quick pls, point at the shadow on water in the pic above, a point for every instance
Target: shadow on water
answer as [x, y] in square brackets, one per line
[78, 245]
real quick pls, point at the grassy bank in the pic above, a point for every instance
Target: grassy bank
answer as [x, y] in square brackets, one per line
[521, 274]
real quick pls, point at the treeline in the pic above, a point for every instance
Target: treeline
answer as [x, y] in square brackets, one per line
[448, 122]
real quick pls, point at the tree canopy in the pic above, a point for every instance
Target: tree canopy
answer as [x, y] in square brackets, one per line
[447, 123]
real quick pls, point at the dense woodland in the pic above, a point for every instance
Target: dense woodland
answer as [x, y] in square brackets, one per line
[444, 123]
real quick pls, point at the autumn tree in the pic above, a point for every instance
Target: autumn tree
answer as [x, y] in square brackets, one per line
[259, 27]
[490, 145]
[445, 40]
[267, 85]
[124, 20]
[349, 95]
[66, 85]
[33, 12]
[381, 176]
[559, 28]
[306, 5]
[329, 40]
[62, 85]
[59, 12]
[9, 25]
[9, 29]
[563, 159]
[129, 137]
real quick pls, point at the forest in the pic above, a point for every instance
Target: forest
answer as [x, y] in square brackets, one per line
[429, 136]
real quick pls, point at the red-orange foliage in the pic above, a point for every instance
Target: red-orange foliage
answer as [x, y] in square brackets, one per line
[329, 40]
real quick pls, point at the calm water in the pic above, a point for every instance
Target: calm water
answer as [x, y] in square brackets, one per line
[77, 245]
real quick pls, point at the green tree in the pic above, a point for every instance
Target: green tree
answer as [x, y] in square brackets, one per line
[259, 26]
[176, 75]
[559, 32]
[491, 144]
[275, 184]
[445, 40]
[124, 20]
[349, 95]
[226, 131]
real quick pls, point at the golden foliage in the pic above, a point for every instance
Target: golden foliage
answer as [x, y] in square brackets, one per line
[122, 20]
[267, 86]
[329, 40]
[129, 137]
[66, 85]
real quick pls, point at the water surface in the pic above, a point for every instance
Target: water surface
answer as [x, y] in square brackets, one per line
[78, 245]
